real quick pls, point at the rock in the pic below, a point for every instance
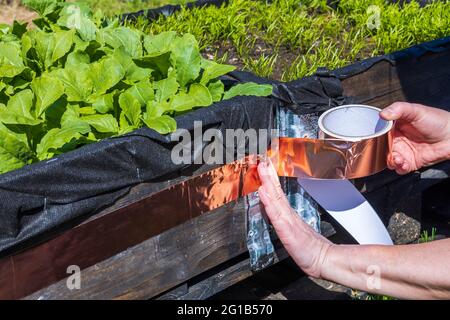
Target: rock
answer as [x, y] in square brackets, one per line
[403, 229]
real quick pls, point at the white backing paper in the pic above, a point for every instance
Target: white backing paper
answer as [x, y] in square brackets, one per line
[349, 208]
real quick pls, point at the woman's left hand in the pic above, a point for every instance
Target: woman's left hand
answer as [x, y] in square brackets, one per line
[308, 248]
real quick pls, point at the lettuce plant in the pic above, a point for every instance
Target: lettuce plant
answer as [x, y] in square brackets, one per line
[76, 78]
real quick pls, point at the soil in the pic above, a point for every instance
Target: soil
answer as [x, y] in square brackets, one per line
[10, 10]
[227, 51]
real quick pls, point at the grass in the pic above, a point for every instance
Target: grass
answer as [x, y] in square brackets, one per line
[289, 39]
[424, 237]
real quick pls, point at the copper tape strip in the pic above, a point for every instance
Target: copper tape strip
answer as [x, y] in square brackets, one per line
[331, 158]
[99, 239]
[87, 244]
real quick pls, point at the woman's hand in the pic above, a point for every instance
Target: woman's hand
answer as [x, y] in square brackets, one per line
[417, 271]
[421, 136]
[308, 248]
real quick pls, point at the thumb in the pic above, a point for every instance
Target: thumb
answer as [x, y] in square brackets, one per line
[401, 111]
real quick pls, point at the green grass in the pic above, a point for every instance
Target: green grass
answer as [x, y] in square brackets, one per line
[425, 237]
[289, 39]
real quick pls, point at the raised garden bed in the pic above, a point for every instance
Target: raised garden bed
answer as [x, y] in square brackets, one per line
[166, 252]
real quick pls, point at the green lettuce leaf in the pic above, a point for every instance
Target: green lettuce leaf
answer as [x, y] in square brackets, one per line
[43, 7]
[104, 123]
[18, 110]
[216, 89]
[52, 46]
[249, 89]
[103, 103]
[163, 124]
[166, 88]
[159, 44]
[56, 138]
[47, 90]
[186, 59]
[133, 73]
[77, 82]
[123, 37]
[198, 96]
[11, 63]
[142, 91]
[131, 108]
[105, 74]
[77, 16]
[213, 70]
[14, 150]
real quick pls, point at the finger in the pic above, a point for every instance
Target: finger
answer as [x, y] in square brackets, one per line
[268, 172]
[404, 168]
[271, 182]
[281, 217]
[390, 162]
[400, 164]
[272, 210]
[401, 111]
[395, 159]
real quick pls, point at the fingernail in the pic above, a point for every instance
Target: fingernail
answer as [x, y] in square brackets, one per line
[387, 113]
[262, 158]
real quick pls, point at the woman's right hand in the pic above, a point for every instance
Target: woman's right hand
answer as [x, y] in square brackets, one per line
[421, 136]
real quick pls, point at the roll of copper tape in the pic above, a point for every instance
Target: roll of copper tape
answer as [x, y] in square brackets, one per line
[353, 142]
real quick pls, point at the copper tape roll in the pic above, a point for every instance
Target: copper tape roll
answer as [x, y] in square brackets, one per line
[329, 158]
[333, 155]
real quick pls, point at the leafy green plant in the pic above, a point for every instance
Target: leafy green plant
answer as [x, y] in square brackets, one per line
[425, 237]
[262, 66]
[76, 79]
[379, 297]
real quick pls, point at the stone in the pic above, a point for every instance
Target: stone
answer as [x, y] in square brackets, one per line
[403, 229]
